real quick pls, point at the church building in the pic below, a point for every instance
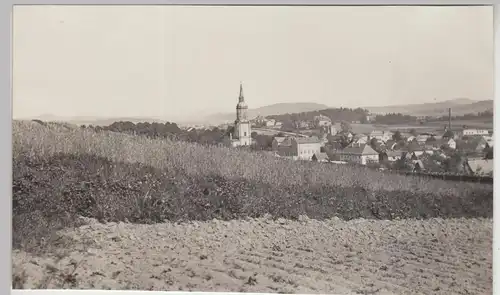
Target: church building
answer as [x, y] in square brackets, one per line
[242, 127]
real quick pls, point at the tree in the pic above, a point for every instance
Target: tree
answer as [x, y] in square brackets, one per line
[263, 142]
[449, 134]
[229, 130]
[345, 141]
[431, 139]
[488, 151]
[374, 144]
[413, 132]
[397, 136]
[403, 164]
[455, 163]
[345, 126]
[254, 135]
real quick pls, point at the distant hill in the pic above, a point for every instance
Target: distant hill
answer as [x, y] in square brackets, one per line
[96, 121]
[459, 106]
[274, 109]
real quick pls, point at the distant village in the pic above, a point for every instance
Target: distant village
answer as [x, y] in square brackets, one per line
[468, 150]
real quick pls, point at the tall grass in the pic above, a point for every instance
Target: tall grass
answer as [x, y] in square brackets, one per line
[61, 172]
[34, 140]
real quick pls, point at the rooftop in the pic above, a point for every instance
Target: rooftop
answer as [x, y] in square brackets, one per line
[305, 140]
[363, 149]
[484, 166]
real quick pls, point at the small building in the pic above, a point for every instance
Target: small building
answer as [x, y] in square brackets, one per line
[362, 154]
[321, 157]
[322, 121]
[441, 143]
[277, 142]
[489, 140]
[390, 156]
[391, 144]
[302, 125]
[360, 139]
[422, 139]
[411, 138]
[269, 122]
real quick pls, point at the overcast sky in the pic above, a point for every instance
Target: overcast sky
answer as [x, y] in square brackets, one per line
[182, 61]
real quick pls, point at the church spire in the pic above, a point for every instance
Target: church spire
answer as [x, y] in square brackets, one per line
[241, 98]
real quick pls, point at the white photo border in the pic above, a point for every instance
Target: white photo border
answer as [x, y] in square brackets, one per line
[6, 8]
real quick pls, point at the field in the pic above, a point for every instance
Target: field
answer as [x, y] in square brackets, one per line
[234, 220]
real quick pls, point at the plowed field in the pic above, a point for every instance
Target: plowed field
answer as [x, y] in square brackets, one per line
[432, 256]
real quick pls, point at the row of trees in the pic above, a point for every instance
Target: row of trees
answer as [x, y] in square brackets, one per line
[394, 118]
[290, 122]
[398, 118]
[167, 130]
[471, 116]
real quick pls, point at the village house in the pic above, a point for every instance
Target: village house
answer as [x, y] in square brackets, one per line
[390, 156]
[322, 121]
[418, 150]
[362, 154]
[422, 139]
[332, 130]
[480, 167]
[489, 140]
[473, 132]
[360, 139]
[305, 147]
[381, 135]
[370, 118]
[278, 124]
[302, 148]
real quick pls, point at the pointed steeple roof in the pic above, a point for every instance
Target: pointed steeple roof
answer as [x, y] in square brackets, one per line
[241, 97]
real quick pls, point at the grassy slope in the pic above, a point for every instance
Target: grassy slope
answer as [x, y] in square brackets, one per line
[60, 172]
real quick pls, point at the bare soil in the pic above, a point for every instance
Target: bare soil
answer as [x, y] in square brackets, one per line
[433, 256]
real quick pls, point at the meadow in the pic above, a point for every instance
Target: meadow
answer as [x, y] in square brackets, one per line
[105, 210]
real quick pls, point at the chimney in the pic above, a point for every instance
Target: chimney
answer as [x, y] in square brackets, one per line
[449, 119]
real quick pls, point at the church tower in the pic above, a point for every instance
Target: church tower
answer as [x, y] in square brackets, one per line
[242, 127]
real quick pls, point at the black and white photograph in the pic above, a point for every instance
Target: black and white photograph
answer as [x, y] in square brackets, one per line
[260, 149]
